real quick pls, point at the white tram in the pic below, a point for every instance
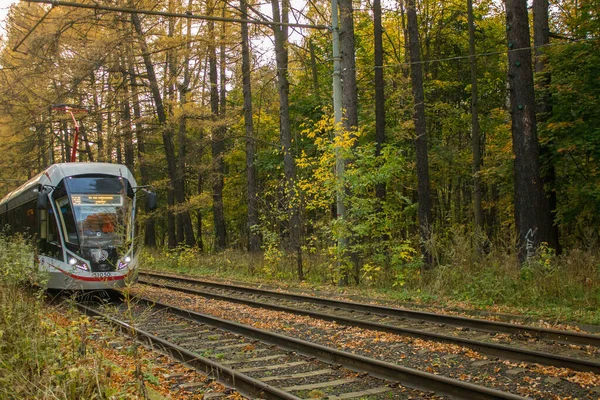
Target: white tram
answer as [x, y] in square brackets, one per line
[82, 216]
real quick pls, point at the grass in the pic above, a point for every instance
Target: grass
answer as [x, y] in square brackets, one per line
[46, 353]
[40, 359]
[561, 288]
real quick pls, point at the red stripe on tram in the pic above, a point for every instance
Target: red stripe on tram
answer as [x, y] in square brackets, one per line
[91, 278]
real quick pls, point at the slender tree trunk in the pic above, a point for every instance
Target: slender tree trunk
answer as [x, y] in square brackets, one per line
[217, 146]
[349, 97]
[169, 83]
[531, 225]
[86, 143]
[405, 71]
[541, 37]
[171, 236]
[99, 121]
[150, 226]
[188, 231]
[423, 186]
[475, 132]
[200, 241]
[127, 125]
[252, 188]
[348, 65]
[380, 189]
[289, 164]
[313, 69]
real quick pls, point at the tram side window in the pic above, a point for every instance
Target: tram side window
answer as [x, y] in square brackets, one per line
[11, 221]
[29, 226]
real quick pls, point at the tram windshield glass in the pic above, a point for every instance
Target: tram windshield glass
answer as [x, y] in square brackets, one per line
[101, 211]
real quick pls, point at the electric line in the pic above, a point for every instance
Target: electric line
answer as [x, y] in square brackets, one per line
[188, 15]
[493, 53]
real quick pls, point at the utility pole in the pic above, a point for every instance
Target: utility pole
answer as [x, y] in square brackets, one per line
[337, 117]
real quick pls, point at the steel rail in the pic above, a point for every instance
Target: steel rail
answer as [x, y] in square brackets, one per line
[395, 373]
[491, 349]
[244, 384]
[480, 324]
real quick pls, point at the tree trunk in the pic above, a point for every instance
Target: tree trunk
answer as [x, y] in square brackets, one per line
[423, 186]
[252, 188]
[217, 146]
[475, 133]
[200, 241]
[289, 164]
[349, 97]
[188, 231]
[541, 37]
[150, 227]
[171, 236]
[313, 70]
[380, 189]
[99, 120]
[531, 225]
[348, 65]
[127, 126]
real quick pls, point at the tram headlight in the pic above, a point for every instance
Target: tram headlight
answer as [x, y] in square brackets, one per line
[124, 262]
[78, 264]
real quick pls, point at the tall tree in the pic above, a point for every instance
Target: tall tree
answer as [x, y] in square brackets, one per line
[280, 31]
[251, 181]
[532, 227]
[541, 38]
[217, 143]
[150, 225]
[380, 189]
[475, 130]
[423, 185]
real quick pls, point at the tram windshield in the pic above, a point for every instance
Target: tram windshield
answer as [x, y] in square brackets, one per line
[101, 209]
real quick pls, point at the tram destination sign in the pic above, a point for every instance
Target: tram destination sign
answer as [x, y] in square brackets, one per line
[96, 199]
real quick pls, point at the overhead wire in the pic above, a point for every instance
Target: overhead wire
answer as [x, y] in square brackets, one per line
[189, 15]
[265, 22]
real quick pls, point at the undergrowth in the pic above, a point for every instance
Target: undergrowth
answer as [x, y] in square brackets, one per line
[565, 287]
[44, 354]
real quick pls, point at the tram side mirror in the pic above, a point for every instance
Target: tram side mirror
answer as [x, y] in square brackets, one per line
[151, 201]
[42, 200]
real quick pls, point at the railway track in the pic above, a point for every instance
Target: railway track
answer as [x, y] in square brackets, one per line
[577, 351]
[262, 364]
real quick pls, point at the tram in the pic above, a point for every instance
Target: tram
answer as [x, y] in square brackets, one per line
[82, 218]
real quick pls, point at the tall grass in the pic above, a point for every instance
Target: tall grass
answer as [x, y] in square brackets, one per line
[38, 358]
[565, 287]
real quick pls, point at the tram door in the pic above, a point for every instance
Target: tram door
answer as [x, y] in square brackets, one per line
[49, 237]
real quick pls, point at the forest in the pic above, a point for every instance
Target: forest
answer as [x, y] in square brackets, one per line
[461, 133]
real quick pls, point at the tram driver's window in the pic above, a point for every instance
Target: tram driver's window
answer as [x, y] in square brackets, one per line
[68, 220]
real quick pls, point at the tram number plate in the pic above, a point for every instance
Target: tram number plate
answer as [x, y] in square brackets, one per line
[101, 274]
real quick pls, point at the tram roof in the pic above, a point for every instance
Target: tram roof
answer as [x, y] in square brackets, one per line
[56, 172]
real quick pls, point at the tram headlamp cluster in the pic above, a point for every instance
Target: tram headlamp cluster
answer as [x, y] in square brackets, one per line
[124, 262]
[78, 264]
